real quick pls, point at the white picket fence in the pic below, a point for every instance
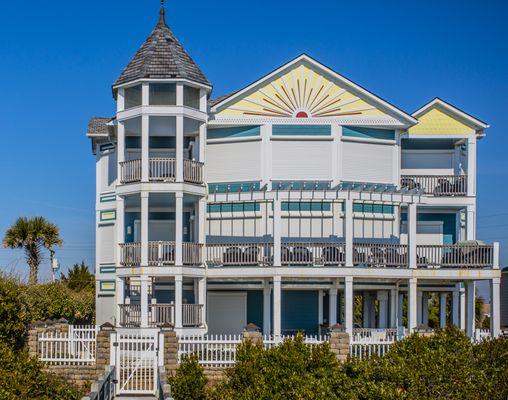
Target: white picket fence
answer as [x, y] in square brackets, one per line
[312, 340]
[363, 350]
[216, 351]
[481, 334]
[76, 346]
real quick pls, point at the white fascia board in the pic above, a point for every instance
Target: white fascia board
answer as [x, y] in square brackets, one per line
[166, 80]
[409, 120]
[375, 121]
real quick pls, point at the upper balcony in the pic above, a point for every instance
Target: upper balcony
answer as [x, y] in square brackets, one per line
[436, 185]
[161, 170]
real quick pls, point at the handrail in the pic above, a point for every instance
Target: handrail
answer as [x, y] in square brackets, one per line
[309, 253]
[192, 315]
[192, 171]
[130, 255]
[380, 254]
[130, 171]
[436, 185]
[161, 253]
[104, 387]
[455, 256]
[239, 254]
[162, 169]
[191, 253]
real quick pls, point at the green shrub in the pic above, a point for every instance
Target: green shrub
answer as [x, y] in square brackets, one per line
[491, 359]
[189, 381]
[13, 313]
[22, 378]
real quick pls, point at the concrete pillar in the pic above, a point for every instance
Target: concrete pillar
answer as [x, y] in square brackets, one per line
[170, 349]
[178, 301]
[456, 306]
[277, 232]
[144, 286]
[332, 306]
[145, 147]
[251, 333]
[412, 304]
[470, 308]
[412, 213]
[425, 308]
[277, 305]
[394, 303]
[382, 297]
[266, 308]
[178, 229]
[348, 231]
[495, 307]
[144, 229]
[442, 309]
[348, 304]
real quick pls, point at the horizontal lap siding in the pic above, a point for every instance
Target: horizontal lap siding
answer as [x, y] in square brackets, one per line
[427, 162]
[233, 162]
[367, 162]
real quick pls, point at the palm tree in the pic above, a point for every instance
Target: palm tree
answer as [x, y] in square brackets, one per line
[32, 235]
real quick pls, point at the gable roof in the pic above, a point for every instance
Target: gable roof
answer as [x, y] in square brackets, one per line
[453, 111]
[162, 56]
[98, 126]
[306, 59]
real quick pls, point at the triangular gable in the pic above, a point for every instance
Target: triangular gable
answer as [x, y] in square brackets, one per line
[440, 118]
[304, 88]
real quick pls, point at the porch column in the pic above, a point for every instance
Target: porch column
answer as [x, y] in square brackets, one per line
[120, 227]
[332, 306]
[462, 313]
[179, 134]
[470, 308]
[470, 222]
[412, 213]
[425, 308]
[382, 297]
[145, 147]
[495, 307]
[419, 304]
[144, 283]
[348, 304]
[277, 307]
[400, 310]
[366, 309]
[178, 228]
[456, 306]
[372, 310]
[394, 303]
[412, 304]
[277, 232]
[320, 307]
[348, 231]
[471, 165]
[442, 309]
[144, 229]
[202, 298]
[266, 308]
[120, 150]
[178, 301]
[120, 297]
[202, 142]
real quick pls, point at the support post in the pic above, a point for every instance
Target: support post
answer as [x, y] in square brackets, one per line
[419, 304]
[462, 307]
[120, 227]
[277, 306]
[412, 304]
[178, 229]
[348, 231]
[145, 147]
[442, 309]
[120, 150]
[348, 304]
[471, 165]
[456, 306]
[394, 304]
[366, 310]
[470, 308]
[179, 148]
[202, 298]
[178, 301]
[277, 232]
[144, 283]
[332, 304]
[400, 309]
[382, 297]
[120, 297]
[266, 308]
[425, 308]
[495, 309]
[144, 229]
[412, 213]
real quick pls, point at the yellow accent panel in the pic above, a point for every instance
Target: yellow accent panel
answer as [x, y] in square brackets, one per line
[302, 91]
[436, 122]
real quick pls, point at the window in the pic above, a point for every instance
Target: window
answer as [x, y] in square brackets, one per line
[132, 97]
[233, 207]
[233, 187]
[373, 208]
[305, 206]
[162, 94]
[191, 97]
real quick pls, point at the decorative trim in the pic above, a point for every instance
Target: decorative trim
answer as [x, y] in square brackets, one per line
[107, 286]
[106, 147]
[107, 198]
[107, 269]
[108, 215]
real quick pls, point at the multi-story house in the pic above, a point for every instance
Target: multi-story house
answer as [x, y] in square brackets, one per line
[297, 202]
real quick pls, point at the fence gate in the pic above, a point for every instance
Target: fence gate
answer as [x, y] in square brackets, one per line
[136, 361]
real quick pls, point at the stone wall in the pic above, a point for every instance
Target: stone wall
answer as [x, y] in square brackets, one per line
[339, 343]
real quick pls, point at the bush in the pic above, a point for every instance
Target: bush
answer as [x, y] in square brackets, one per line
[189, 382]
[22, 377]
[13, 314]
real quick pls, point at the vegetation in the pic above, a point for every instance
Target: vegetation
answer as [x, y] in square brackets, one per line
[79, 277]
[32, 235]
[444, 366]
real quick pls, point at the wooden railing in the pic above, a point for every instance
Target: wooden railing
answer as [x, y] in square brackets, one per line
[307, 253]
[161, 253]
[130, 315]
[192, 171]
[162, 169]
[380, 255]
[455, 256]
[160, 314]
[192, 315]
[235, 254]
[130, 254]
[191, 253]
[130, 171]
[436, 185]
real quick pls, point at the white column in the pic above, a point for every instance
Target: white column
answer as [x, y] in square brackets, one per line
[120, 227]
[277, 232]
[277, 306]
[332, 304]
[348, 231]
[145, 147]
[412, 304]
[419, 304]
[495, 307]
[425, 308]
[120, 297]
[366, 309]
[412, 213]
[201, 234]
[372, 311]
[320, 306]
[348, 304]
[400, 310]
[336, 131]
[442, 309]
[120, 100]
[266, 308]
[394, 304]
[203, 101]
[202, 296]
[382, 296]
[179, 94]
[471, 222]
[120, 150]
[462, 313]
[202, 142]
[145, 94]
[470, 308]
[471, 165]
[178, 228]
[456, 306]
[495, 260]
[144, 229]
[144, 283]
[179, 148]
[178, 300]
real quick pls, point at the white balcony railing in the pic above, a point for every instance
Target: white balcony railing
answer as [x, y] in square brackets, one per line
[193, 171]
[130, 315]
[191, 253]
[380, 255]
[235, 254]
[192, 315]
[306, 253]
[455, 256]
[436, 185]
[162, 169]
[130, 171]
[161, 253]
[130, 254]
[161, 314]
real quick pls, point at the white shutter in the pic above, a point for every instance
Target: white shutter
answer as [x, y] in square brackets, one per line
[427, 162]
[367, 162]
[233, 162]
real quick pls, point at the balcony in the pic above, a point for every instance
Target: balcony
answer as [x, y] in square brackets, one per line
[160, 253]
[461, 255]
[161, 314]
[235, 254]
[308, 254]
[436, 185]
[161, 170]
[380, 255]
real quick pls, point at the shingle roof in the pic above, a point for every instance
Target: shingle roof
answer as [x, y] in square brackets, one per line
[98, 126]
[217, 100]
[161, 57]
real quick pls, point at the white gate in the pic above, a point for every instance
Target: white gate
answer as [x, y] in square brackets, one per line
[137, 353]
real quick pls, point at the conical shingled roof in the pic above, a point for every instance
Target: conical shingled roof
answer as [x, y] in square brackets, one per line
[162, 57]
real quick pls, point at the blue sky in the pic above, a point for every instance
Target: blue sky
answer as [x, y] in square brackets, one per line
[59, 58]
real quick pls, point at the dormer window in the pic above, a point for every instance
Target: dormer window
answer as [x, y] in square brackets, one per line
[162, 94]
[191, 97]
[132, 96]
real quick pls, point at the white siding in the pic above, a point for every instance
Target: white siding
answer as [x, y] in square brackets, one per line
[233, 162]
[235, 226]
[107, 243]
[106, 171]
[301, 160]
[365, 228]
[427, 163]
[367, 162]
[315, 227]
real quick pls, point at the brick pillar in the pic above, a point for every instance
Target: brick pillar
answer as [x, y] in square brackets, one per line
[103, 356]
[339, 342]
[170, 349]
[253, 334]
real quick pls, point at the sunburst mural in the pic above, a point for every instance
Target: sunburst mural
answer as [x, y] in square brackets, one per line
[300, 93]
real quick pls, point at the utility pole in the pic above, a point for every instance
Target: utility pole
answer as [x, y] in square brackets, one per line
[54, 264]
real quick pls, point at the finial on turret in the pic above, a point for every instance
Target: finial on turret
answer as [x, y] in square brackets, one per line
[162, 19]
